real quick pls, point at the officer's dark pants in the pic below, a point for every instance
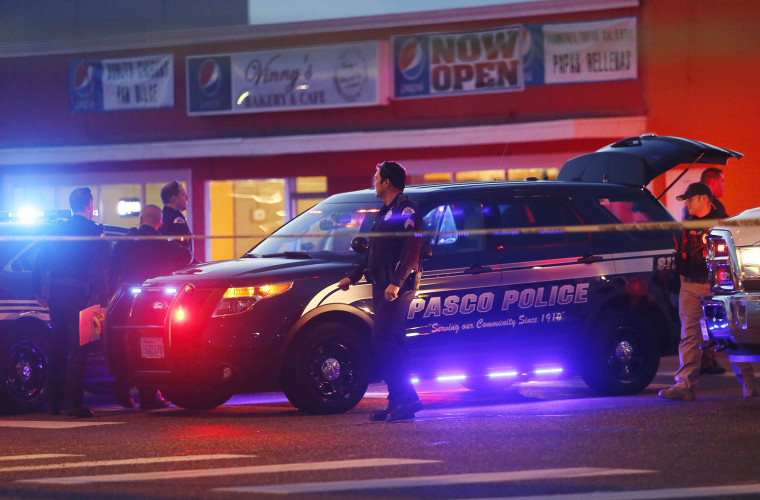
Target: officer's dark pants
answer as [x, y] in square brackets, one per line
[68, 358]
[391, 354]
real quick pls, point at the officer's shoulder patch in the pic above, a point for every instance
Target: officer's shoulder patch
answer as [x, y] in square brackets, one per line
[179, 220]
[407, 211]
[388, 215]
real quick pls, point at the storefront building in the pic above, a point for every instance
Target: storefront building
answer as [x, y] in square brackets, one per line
[260, 122]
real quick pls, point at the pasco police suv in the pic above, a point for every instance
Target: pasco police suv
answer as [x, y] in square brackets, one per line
[495, 305]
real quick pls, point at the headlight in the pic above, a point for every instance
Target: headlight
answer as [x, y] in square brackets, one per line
[749, 259]
[241, 299]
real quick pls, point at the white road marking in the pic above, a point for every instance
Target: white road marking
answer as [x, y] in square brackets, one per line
[10, 458]
[427, 481]
[229, 471]
[696, 492]
[49, 424]
[126, 461]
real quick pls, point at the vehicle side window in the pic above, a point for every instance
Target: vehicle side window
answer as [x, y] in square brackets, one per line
[449, 219]
[628, 211]
[538, 211]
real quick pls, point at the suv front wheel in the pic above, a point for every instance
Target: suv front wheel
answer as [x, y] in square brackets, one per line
[622, 355]
[25, 371]
[329, 370]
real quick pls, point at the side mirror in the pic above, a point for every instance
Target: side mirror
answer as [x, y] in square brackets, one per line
[360, 244]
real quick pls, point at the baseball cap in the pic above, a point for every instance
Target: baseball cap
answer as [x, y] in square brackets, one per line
[694, 189]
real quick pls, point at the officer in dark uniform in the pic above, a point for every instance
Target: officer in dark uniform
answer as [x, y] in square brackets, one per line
[392, 265]
[71, 276]
[133, 263]
[695, 284]
[174, 198]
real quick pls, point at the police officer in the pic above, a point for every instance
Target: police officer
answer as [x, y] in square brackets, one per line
[174, 198]
[392, 265]
[71, 276]
[133, 263]
[695, 284]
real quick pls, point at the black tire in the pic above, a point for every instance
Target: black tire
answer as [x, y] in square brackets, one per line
[25, 372]
[197, 399]
[329, 370]
[622, 356]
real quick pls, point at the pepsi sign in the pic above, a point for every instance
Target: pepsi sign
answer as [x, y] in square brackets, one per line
[209, 84]
[86, 86]
[458, 63]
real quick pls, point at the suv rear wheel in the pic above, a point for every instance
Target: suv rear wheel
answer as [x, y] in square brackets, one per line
[25, 371]
[329, 370]
[622, 356]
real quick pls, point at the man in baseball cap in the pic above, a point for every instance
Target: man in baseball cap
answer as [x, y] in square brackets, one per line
[694, 189]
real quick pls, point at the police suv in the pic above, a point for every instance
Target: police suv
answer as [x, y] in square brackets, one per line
[500, 300]
[25, 324]
[732, 312]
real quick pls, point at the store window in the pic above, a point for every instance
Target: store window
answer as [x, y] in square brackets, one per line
[243, 212]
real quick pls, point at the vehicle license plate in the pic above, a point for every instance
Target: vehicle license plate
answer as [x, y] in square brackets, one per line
[703, 325]
[152, 347]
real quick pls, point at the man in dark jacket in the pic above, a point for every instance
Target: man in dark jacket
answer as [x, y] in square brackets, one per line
[392, 265]
[71, 276]
[695, 284]
[174, 198]
[133, 263]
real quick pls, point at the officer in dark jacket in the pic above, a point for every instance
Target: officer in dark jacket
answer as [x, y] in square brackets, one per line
[133, 263]
[695, 284]
[392, 265]
[174, 198]
[71, 276]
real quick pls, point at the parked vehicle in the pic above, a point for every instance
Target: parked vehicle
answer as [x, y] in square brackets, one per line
[496, 305]
[732, 313]
[25, 324]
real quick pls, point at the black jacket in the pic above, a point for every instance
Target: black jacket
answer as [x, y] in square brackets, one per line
[85, 262]
[136, 261]
[393, 259]
[692, 250]
[175, 224]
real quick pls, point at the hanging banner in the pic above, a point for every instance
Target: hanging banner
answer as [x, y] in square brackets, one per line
[145, 82]
[447, 64]
[595, 51]
[285, 80]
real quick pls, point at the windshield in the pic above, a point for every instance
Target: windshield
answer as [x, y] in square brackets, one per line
[324, 231]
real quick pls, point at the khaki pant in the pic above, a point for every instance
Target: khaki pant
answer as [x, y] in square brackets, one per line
[690, 311]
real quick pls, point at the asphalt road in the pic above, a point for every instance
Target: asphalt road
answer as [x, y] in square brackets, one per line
[535, 440]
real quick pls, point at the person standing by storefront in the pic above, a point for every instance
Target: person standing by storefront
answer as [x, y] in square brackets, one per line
[174, 198]
[392, 265]
[71, 276]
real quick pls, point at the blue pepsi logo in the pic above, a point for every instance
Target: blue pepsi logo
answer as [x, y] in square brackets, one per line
[411, 59]
[209, 77]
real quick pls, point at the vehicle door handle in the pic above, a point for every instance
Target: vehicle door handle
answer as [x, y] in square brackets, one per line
[478, 269]
[590, 259]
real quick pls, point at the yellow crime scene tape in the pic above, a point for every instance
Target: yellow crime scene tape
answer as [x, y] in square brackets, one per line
[506, 231]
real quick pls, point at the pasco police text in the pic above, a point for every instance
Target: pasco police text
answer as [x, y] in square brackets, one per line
[474, 61]
[483, 303]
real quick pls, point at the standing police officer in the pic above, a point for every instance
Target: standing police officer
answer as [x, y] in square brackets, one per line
[71, 276]
[133, 263]
[695, 284]
[392, 265]
[174, 198]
